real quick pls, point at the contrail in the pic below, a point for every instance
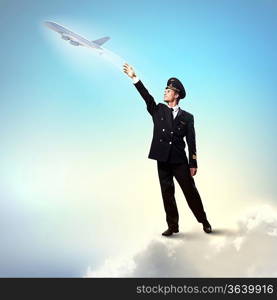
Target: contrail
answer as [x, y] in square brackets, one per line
[113, 58]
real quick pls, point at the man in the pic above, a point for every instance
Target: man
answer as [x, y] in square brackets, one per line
[171, 125]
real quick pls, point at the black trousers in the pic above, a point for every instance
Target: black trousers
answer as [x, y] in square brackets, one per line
[182, 174]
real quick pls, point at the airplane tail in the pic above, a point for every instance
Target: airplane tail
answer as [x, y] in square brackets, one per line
[101, 41]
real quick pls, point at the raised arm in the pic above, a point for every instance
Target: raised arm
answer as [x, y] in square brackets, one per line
[149, 100]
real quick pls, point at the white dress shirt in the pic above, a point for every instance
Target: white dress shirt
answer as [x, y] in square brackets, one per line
[175, 110]
[135, 80]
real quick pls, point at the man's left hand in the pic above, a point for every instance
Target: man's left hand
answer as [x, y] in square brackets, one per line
[193, 171]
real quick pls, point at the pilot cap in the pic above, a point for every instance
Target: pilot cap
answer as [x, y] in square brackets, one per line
[176, 85]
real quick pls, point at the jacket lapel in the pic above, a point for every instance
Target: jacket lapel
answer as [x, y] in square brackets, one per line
[178, 115]
[169, 117]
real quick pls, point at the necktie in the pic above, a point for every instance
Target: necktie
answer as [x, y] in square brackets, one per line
[172, 110]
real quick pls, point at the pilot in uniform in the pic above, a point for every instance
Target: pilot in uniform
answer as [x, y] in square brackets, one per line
[171, 125]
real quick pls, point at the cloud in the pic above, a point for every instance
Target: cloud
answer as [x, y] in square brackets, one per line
[248, 251]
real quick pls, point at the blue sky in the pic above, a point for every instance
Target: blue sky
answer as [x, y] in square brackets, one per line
[69, 117]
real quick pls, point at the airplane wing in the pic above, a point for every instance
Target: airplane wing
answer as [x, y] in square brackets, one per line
[101, 41]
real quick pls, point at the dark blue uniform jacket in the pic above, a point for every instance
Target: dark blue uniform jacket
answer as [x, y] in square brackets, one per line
[168, 143]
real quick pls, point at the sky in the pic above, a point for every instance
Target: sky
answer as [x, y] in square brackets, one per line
[76, 187]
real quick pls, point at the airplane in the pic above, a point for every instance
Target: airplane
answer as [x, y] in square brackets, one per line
[75, 39]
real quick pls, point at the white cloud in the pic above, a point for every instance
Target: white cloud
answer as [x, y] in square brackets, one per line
[249, 251]
[120, 267]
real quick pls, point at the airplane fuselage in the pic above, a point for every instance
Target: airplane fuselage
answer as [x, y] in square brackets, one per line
[74, 38]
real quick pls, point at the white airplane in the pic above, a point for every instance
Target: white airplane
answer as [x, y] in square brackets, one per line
[75, 39]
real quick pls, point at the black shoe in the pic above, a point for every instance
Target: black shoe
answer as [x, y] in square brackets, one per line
[170, 231]
[207, 226]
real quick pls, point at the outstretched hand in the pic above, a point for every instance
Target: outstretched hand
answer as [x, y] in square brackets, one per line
[129, 70]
